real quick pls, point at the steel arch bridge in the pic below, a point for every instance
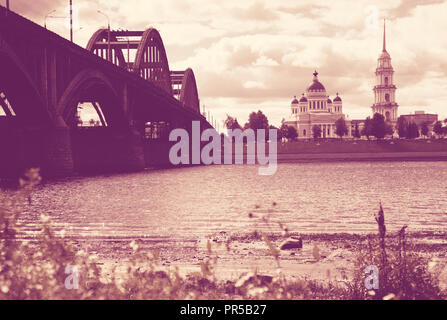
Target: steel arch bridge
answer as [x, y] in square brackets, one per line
[45, 81]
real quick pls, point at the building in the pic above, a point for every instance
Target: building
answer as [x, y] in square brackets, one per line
[385, 90]
[316, 108]
[421, 118]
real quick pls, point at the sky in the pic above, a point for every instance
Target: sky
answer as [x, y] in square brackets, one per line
[257, 55]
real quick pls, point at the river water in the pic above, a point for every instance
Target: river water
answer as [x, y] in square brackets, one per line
[193, 203]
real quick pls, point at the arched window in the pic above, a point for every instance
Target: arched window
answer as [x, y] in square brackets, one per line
[386, 81]
[304, 132]
[387, 116]
[387, 97]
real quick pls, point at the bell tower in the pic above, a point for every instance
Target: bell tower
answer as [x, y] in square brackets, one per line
[384, 90]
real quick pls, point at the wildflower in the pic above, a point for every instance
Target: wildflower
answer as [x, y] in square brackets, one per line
[244, 279]
[134, 245]
[390, 296]
[44, 218]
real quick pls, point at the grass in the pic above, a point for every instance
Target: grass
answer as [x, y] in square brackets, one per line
[43, 269]
[363, 146]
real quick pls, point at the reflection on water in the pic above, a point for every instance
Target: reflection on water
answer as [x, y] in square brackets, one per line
[191, 203]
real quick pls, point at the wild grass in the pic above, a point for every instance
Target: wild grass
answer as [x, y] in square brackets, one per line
[51, 267]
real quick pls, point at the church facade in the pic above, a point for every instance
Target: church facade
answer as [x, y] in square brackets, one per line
[316, 108]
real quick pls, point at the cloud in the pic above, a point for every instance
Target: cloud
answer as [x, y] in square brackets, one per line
[259, 54]
[406, 7]
[254, 84]
[256, 11]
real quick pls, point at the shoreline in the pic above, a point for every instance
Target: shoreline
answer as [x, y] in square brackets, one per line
[248, 253]
[366, 156]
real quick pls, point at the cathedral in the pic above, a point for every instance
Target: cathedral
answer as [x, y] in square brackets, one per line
[316, 108]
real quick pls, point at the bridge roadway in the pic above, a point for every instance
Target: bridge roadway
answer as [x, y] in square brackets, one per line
[45, 80]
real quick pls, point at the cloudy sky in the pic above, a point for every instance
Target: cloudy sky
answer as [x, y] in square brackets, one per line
[250, 55]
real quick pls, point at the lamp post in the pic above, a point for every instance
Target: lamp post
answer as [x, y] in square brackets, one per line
[46, 16]
[109, 56]
[71, 20]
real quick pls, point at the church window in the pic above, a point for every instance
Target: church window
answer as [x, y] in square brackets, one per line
[387, 116]
[387, 97]
[304, 132]
[386, 81]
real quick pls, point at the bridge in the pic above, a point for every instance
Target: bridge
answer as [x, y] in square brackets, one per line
[46, 80]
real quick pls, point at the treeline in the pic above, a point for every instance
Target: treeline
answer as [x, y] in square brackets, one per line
[372, 127]
[257, 120]
[411, 130]
[375, 127]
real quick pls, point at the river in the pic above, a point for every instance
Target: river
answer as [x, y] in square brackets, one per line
[193, 203]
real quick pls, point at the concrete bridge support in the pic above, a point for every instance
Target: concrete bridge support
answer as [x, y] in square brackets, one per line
[104, 150]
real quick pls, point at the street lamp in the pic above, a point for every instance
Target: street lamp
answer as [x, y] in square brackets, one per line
[47, 15]
[71, 20]
[109, 56]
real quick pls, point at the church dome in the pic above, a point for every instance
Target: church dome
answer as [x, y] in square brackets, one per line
[303, 98]
[316, 85]
[294, 101]
[337, 98]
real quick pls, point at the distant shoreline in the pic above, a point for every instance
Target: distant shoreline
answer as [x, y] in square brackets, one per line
[366, 156]
[362, 150]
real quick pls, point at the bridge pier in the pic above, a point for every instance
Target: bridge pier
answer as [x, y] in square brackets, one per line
[105, 150]
[23, 147]
[57, 158]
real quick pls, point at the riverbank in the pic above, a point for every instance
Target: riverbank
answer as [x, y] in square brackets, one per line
[362, 150]
[362, 146]
[327, 259]
[364, 156]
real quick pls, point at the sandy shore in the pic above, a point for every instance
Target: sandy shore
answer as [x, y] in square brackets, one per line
[248, 253]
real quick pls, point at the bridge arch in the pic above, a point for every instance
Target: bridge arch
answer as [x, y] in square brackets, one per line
[15, 81]
[98, 44]
[94, 87]
[188, 93]
[151, 61]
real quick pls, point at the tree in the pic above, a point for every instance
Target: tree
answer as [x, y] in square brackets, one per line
[438, 128]
[340, 128]
[378, 126]
[367, 128]
[283, 130]
[413, 131]
[292, 134]
[402, 127]
[316, 131]
[389, 131]
[278, 136]
[424, 129]
[257, 120]
[356, 131]
[231, 123]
